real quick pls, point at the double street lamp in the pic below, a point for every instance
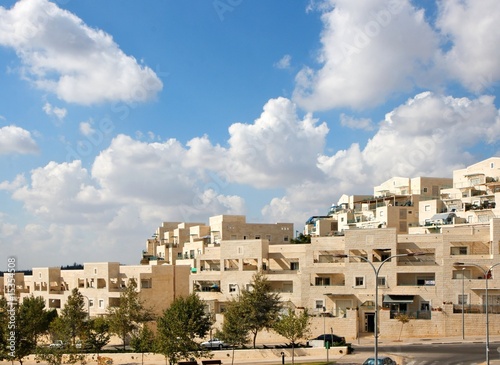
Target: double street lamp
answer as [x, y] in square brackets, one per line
[486, 275]
[376, 270]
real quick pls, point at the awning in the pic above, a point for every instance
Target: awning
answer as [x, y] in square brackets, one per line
[398, 298]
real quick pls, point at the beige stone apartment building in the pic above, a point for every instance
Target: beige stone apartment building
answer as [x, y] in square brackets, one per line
[102, 283]
[404, 217]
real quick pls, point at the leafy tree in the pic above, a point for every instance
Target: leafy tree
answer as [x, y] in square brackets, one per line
[73, 318]
[72, 324]
[19, 338]
[301, 238]
[32, 312]
[97, 335]
[234, 329]
[260, 305]
[403, 319]
[143, 341]
[126, 319]
[180, 325]
[293, 327]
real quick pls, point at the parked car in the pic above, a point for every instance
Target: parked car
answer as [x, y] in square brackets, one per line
[214, 343]
[331, 339]
[58, 344]
[383, 360]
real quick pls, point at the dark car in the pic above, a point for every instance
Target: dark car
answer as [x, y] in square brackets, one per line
[331, 339]
[382, 360]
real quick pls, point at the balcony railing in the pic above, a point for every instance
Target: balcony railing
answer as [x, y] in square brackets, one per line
[413, 314]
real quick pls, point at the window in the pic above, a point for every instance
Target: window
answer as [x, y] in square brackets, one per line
[294, 265]
[95, 271]
[492, 165]
[426, 281]
[424, 306]
[463, 299]
[458, 250]
[382, 281]
[101, 303]
[257, 236]
[319, 304]
[425, 190]
[232, 288]
[427, 208]
[322, 281]
[268, 237]
[359, 281]
[285, 238]
[91, 302]
[381, 213]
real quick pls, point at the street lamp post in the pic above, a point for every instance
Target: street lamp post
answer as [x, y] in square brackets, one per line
[377, 271]
[463, 297]
[486, 274]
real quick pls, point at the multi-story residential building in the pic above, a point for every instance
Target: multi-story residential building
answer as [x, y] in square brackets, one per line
[102, 283]
[335, 275]
[472, 197]
[394, 204]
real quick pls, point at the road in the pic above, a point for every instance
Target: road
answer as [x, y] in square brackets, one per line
[429, 354]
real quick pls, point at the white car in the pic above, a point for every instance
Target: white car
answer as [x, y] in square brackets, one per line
[214, 343]
[57, 344]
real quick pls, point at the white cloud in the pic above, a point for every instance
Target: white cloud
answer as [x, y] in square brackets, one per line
[472, 28]
[356, 123]
[133, 185]
[370, 50]
[79, 64]
[59, 113]
[429, 135]
[15, 140]
[269, 152]
[284, 62]
[86, 128]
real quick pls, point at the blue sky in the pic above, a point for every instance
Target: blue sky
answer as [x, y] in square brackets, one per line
[116, 116]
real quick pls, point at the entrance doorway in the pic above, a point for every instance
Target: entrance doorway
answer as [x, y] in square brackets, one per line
[369, 322]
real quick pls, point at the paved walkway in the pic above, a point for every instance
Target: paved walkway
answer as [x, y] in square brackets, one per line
[355, 358]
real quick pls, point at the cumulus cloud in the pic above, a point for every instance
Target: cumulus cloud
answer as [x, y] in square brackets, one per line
[370, 50]
[429, 135]
[79, 64]
[16, 140]
[472, 29]
[59, 113]
[279, 143]
[133, 185]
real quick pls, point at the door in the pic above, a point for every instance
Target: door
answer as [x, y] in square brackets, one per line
[369, 322]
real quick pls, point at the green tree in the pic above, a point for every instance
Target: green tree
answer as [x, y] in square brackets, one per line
[143, 341]
[180, 325]
[73, 318]
[71, 325]
[20, 335]
[293, 327]
[301, 238]
[97, 335]
[127, 318]
[260, 305]
[235, 328]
